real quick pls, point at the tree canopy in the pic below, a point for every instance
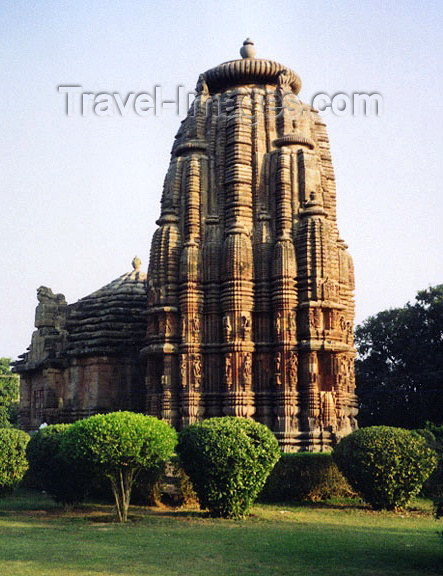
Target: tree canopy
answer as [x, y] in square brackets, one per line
[399, 369]
[118, 446]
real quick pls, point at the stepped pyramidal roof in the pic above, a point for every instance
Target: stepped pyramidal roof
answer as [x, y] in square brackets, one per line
[112, 317]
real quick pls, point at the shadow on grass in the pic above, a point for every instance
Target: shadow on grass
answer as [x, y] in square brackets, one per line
[40, 538]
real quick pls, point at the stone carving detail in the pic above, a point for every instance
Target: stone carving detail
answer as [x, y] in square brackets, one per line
[247, 369]
[228, 370]
[227, 327]
[253, 262]
[245, 326]
[293, 368]
[51, 310]
[278, 324]
[292, 326]
[196, 371]
[196, 325]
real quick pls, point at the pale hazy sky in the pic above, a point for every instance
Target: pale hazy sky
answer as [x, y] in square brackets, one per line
[80, 195]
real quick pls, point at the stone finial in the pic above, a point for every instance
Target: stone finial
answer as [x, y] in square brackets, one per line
[136, 263]
[248, 49]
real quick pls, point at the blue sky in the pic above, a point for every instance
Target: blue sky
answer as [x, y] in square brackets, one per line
[80, 195]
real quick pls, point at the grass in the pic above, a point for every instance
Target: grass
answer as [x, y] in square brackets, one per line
[336, 539]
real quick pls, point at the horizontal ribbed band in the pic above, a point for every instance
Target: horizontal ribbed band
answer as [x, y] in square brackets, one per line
[249, 71]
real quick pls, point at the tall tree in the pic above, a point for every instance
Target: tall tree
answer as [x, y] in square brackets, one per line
[9, 394]
[399, 369]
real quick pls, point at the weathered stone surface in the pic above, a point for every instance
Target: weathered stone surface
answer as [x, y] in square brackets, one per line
[84, 357]
[250, 287]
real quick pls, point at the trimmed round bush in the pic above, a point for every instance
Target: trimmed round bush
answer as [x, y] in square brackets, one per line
[52, 470]
[118, 446]
[228, 460]
[13, 462]
[386, 465]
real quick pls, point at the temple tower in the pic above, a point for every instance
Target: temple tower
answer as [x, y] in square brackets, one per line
[250, 288]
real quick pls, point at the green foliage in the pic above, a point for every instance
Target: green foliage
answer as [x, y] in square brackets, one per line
[305, 476]
[433, 434]
[399, 369]
[9, 394]
[168, 484]
[433, 486]
[386, 465]
[228, 460]
[13, 463]
[52, 471]
[182, 492]
[147, 486]
[119, 446]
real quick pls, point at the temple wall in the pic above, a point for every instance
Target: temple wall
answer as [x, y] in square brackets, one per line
[88, 386]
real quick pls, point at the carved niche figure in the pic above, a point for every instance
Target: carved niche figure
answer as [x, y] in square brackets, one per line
[195, 325]
[315, 318]
[332, 319]
[277, 368]
[196, 370]
[227, 327]
[331, 290]
[291, 325]
[247, 368]
[183, 327]
[168, 326]
[293, 368]
[183, 370]
[245, 323]
[228, 370]
[277, 324]
[313, 367]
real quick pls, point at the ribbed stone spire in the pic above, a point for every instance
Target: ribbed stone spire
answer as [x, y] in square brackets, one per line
[250, 288]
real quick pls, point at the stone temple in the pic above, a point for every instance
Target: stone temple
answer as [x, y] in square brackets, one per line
[247, 308]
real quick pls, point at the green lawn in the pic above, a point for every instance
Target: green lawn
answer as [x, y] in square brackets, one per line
[38, 539]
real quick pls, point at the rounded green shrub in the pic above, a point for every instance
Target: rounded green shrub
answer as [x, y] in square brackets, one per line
[52, 470]
[386, 465]
[13, 462]
[228, 460]
[118, 446]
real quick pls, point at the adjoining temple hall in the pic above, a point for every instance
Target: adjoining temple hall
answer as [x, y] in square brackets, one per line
[247, 307]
